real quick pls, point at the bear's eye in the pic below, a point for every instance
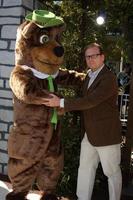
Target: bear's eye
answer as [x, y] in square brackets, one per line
[44, 39]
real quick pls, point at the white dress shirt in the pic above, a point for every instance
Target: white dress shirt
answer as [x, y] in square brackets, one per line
[93, 75]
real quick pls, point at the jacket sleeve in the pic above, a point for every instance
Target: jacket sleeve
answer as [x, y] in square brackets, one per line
[105, 88]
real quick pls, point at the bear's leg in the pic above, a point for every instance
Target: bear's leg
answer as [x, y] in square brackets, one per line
[22, 174]
[49, 173]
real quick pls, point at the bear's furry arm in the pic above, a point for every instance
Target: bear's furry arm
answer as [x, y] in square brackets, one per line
[70, 78]
[26, 87]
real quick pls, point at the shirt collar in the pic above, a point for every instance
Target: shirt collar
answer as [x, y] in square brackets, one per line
[38, 74]
[95, 73]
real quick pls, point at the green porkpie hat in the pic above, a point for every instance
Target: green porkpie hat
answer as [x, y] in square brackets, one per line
[44, 18]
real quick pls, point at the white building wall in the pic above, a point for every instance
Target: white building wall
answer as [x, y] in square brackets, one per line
[12, 13]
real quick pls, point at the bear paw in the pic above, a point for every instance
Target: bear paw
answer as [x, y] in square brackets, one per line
[16, 196]
[49, 197]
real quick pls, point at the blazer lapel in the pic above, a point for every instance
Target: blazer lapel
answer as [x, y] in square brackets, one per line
[85, 86]
[97, 78]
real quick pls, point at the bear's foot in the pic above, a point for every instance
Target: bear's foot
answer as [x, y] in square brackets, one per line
[16, 196]
[49, 196]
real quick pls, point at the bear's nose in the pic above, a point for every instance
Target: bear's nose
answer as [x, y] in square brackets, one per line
[58, 51]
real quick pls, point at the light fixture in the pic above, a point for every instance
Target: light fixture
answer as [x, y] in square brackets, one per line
[100, 18]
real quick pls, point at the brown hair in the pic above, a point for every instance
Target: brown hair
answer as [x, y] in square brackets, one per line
[94, 45]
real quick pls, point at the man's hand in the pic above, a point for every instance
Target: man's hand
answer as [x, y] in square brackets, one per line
[54, 101]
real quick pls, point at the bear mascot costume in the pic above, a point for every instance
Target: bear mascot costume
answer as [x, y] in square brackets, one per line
[34, 146]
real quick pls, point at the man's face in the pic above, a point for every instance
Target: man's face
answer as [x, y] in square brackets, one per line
[94, 59]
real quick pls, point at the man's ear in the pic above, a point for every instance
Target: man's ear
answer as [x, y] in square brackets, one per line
[28, 29]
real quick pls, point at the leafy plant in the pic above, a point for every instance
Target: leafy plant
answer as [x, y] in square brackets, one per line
[71, 139]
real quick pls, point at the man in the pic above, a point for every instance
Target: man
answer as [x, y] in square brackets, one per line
[101, 141]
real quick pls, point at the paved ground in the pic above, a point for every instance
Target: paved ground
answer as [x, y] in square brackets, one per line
[5, 187]
[127, 193]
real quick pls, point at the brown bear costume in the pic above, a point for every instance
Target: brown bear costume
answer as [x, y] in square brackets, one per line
[34, 147]
[34, 144]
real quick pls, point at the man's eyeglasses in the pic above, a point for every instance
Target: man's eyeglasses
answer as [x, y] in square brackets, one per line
[94, 56]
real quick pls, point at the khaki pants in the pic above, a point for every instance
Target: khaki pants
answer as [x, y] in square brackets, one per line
[90, 156]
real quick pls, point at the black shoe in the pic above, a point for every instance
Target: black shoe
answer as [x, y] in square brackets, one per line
[49, 197]
[16, 196]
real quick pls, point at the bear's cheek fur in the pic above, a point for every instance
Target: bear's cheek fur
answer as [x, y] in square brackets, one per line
[44, 59]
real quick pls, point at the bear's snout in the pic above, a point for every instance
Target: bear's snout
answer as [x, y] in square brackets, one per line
[58, 51]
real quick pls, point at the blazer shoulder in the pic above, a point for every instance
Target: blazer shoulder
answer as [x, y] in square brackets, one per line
[108, 71]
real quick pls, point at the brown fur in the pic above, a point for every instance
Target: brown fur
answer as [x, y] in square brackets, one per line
[13, 196]
[34, 146]
[49, 197]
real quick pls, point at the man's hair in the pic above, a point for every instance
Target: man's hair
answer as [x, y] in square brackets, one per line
[91, 45]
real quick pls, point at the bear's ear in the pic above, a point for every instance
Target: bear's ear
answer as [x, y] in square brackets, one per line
[63, 27]
[28, 29]
[56, 32]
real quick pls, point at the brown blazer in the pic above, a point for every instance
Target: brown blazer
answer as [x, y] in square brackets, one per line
[99, 107]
